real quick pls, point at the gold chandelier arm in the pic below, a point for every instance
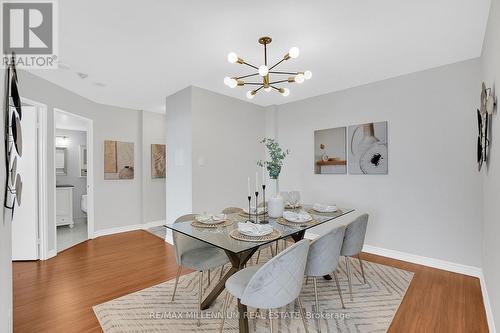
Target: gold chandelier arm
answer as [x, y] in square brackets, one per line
[285, 73]
[254, 83]
[250, 65]
[280, 81]
[245, 76]
[276, 64]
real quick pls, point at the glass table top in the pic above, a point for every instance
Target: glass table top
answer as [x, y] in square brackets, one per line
[219, 236]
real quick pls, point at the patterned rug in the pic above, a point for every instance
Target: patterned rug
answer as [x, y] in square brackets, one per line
[372, 309]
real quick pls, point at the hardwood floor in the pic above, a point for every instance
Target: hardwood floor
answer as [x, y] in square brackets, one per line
[57, 295]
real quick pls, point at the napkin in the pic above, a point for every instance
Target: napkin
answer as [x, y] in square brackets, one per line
[324, 208]
[251, 229]
[297, 216]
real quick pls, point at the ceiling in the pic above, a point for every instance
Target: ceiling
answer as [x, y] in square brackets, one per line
[146, 50]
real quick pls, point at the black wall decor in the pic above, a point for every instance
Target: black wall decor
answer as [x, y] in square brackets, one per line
[488, 105]
[13, 138]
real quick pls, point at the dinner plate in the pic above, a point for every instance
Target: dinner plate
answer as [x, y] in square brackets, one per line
[258, 231]
[325, 208]
[210, 219]
[297, 217]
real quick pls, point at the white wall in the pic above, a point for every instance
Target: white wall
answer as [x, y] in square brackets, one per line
[430, 203]
[153, 199]
[179, 152]
[117, 203]
[226, 148]
[5, 235]
[491, 246]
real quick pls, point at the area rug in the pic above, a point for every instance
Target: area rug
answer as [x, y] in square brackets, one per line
[372, 309]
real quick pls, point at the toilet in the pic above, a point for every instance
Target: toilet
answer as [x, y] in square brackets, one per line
[83, 203]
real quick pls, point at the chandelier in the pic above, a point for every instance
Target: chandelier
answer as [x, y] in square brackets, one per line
[264, 71]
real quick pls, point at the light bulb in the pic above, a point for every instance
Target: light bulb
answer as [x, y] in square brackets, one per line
[268, 89]
[232, 57]
[285, 92]
[299, 78]
[263, 70]
[308, 75]
[232, 83]
[250, 94]
[227, 79]
[294, 52]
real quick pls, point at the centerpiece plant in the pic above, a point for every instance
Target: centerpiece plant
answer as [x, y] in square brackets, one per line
[275, 162]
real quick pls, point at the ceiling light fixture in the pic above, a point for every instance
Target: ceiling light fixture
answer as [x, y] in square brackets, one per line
[264, 71]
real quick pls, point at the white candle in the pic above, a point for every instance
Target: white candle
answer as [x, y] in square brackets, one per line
[248, 187]
[257, 182]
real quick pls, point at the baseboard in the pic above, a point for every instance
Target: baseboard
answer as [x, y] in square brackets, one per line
[51, 253]
[444, 265]
[425, 261]
[133, 227]
[487, 305]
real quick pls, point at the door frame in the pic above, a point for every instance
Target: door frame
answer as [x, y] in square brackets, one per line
[42, 189]
[90, 174]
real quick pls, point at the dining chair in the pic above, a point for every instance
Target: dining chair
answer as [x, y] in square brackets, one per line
[273, 285]
[195, 255]
[354, 238]
[323, 259]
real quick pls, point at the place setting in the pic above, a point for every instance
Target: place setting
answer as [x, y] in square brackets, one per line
[297, 219]
[323, 209]
[211, 221]
[252, 232]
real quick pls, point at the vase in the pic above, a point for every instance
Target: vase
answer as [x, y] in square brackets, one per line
[276, 204]
[275, 185]
[275, 207]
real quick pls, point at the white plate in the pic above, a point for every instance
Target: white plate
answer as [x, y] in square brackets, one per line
[297, 217]
[211, 219]
[255, 230]
[261, 211]
[325, 208]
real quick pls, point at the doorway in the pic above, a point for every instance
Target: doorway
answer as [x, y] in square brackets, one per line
[73, 175]
[28, 220]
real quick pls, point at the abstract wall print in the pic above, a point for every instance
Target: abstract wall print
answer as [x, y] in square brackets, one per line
[367, 144]
[330, 151]
[158, 161]
[484, 114]
[118, 160]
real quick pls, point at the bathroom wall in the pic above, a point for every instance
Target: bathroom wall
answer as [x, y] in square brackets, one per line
[74, 140]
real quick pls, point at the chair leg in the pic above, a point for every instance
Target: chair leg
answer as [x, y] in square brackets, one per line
[224, 311]
[338, 288]
[277, 247]
[258, 256]
[200, 295]
[208, 277]
[272, 251]
[362, 269]
[270, 322]
[307, 280]
[176, 281]
[221, 272]
[302, 315]
[317, 304]
[348, 272]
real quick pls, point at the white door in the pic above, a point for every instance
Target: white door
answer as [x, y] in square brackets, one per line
[25, 221]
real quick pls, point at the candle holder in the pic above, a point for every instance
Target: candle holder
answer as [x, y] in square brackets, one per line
[249, 199]
[264, 219]
[257, 207]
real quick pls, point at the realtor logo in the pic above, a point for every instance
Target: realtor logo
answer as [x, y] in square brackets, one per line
[29, 31]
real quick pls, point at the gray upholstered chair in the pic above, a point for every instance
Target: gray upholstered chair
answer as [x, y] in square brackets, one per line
[323, 259]
[354, 238]
[196, 255]
[273, 285]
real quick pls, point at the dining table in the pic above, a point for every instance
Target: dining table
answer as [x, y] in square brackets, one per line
[239, 252]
